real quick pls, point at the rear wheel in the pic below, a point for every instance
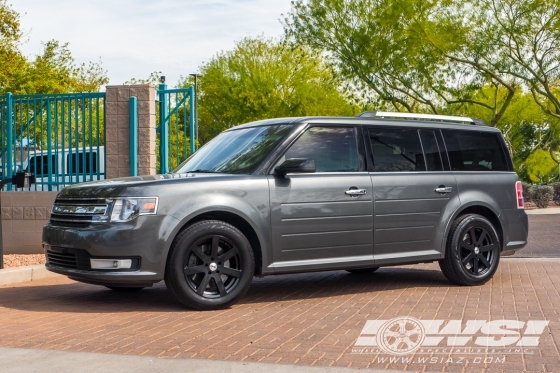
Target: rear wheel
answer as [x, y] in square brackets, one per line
[473, 251]
[362, 271]
[210, 266]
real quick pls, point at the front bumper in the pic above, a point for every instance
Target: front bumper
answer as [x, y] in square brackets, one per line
[144, 240]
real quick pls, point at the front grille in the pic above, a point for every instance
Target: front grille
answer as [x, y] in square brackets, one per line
[66, 260]
[70, 212]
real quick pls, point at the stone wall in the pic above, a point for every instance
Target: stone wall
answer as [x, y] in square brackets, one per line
[23, 216]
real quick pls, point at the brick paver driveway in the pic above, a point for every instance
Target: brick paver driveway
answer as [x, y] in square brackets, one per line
[312, 319]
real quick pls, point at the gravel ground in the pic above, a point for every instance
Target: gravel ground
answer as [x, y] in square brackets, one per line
[14, 260]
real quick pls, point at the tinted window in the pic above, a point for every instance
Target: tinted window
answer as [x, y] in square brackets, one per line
[332, 148]
[81, 159]
[39, 165]
[474, 151]
[431, 150]
[236, 152]
[396, 150]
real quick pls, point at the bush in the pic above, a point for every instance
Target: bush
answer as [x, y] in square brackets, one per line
[527, 192]
[556, 196]
[542, 195]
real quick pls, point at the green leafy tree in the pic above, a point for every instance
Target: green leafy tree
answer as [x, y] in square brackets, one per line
[541, 168]
[261, 79]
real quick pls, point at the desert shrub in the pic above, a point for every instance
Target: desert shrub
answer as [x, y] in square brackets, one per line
[556, 196]
[542, 195]
[527, 192]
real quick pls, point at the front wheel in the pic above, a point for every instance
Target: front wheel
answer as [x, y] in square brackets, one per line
[473, 251]
[210, 266]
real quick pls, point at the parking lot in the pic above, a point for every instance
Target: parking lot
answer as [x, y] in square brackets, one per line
[305, 319]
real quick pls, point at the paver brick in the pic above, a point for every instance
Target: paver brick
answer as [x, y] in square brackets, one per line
[305, 319]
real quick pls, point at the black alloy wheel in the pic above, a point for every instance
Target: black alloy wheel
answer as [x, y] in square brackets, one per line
[472, 252]
[210, 265]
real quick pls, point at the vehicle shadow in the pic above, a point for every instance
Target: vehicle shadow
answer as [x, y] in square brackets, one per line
[84, 298]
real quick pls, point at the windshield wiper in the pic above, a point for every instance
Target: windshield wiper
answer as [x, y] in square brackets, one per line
[203, 172]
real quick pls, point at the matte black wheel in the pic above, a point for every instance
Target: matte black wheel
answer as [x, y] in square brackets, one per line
[362, 271]
[125, 288]
[473, 251]
[210, 266]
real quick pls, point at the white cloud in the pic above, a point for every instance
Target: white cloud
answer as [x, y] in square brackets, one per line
[134, 38]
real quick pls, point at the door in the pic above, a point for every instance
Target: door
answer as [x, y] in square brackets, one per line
[324, 219]
[415, 194]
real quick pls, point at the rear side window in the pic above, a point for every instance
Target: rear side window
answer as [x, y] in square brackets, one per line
[396, 150]
[332, 148]
[89, 160]
[474, 151]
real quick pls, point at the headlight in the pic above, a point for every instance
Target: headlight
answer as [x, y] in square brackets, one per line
[125, 209]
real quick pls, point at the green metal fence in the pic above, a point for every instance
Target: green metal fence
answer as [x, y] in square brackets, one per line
[175, 117]
[58, 137]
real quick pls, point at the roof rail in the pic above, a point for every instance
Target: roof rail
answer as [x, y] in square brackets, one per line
[432, 117]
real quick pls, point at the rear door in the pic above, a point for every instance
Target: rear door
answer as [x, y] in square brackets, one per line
[324, 219]
[415, 192]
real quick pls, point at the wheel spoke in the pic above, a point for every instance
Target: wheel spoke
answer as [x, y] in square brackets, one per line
[228, 255]
[215, 246]
[467, 246]
[198, 252]
[203, 284]
[468, 258]
[472, 234]
[484, 261]
[229, 271]
[219, 284]
[475, 266]
[483, 235]
[189, 271]
[486, 248]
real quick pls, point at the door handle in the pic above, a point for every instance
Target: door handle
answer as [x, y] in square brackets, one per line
[443, 189]
[355, 192]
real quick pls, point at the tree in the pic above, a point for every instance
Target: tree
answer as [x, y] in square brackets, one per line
[432, 55]
[262, 79]
[53, 71]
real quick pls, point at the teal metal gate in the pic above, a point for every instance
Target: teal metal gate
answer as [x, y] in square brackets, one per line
[58, 137]
[175, 126]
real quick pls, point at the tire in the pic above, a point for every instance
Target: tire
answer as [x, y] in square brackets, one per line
[362, 271]
[124, 289]
[473, 251]
[210, 265]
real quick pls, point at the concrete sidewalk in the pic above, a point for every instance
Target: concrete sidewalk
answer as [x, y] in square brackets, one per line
[20, 360]
[24, 274]
[547, 211]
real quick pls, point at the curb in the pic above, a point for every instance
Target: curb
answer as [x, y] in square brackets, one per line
[547, 211]
[15, 275]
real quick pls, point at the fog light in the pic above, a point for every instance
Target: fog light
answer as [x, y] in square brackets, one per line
[111, 263]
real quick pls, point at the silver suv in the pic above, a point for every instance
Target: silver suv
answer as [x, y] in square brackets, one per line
[296, 195]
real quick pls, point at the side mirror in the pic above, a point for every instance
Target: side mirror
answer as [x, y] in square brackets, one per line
[295, 166]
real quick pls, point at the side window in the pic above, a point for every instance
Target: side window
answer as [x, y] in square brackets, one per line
[474, 151]
[78, 162]
[431, 150]
[396, 150]
[332, 148]
[39, 165]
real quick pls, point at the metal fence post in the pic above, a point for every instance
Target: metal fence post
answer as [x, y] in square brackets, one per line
[192, 120]
[163, 130]
[10, 137]
[133, 107]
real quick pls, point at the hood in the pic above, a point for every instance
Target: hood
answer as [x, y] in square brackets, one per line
[116, 187]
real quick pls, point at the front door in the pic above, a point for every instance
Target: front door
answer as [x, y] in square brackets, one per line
[324, 219]
[414, 194]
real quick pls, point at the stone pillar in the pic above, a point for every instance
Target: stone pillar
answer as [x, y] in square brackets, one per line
[117, 129]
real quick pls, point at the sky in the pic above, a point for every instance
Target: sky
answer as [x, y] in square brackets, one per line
[133, 38]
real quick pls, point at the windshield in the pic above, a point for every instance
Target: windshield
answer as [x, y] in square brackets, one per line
[235, 152]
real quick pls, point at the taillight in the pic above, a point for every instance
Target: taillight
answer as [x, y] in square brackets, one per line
[519, 194]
